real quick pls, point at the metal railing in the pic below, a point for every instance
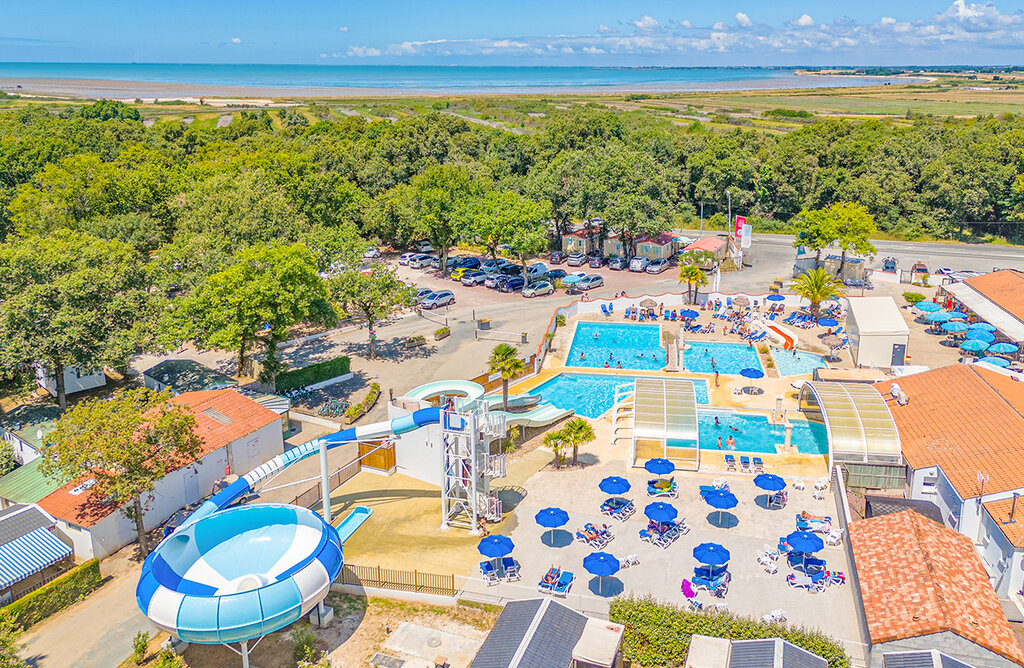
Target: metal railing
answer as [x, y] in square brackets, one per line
[393, 578]
[314, 495]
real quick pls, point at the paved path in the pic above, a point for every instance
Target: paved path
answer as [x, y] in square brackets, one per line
[98, 631]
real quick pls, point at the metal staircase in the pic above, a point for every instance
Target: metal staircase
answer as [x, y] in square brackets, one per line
[466, 497]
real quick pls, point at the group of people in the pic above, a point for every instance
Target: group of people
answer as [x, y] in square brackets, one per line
[730, 442]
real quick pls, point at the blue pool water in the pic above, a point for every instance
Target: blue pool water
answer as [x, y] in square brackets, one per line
[613, 343]
[591, 395]
[802, 363]
[729, 358]
[756, 434]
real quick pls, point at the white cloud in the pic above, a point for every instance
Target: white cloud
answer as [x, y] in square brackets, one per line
[685, 23]
[606, 30]
[363, 52]
[743, 20]
[236, 40]
[646, 24]
[719, 26]
[568, 49]
[804, 20]
[593, 50]
[343, 29]
[323, 55]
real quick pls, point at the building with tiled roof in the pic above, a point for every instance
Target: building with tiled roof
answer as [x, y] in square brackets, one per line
[238, 435]
[962, 434]
[923, 587]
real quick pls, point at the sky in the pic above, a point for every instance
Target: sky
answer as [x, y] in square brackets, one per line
[525, 32]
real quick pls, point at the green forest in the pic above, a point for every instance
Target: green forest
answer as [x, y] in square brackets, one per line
[118, 236]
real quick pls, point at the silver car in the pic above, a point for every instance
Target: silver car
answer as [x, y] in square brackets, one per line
[538, 289]
[657, 266]
[592, 281]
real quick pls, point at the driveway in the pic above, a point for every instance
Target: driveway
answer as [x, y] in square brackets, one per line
[97, 631]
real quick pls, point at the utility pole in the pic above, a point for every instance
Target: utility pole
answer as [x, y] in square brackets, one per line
[729, 196]
[702, 217]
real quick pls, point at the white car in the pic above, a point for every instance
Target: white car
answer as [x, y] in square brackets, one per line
[425, 247]
[405, 257]
[371, 253]
[537, 270]
[420, 261]
[639, 264]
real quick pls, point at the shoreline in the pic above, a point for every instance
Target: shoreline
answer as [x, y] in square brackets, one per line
[128, 90]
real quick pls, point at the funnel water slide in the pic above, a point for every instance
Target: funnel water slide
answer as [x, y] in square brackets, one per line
[233, 574]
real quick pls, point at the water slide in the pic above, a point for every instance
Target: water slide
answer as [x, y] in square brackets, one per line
[541, 416]
[788, 340]
[195, 585]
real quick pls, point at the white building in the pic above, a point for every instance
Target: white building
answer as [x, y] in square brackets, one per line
[238, 434]
[878, 333]
[76, 379]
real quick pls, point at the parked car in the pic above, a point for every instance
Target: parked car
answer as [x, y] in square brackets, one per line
[537, 270]
[459, 272]
[421, 293]
[371, 253]
[439, 298]
[558, 257]
[574, 277]
[592, 281]
[511, 270]
[657, 266]
[538, 289]
[405, 257]
[512, 284]
[420, 261]
[424, 247]
[495, 264]
[576, 260]
[467, 263]
[473, 277]
[945, 271]
[493, 280]
[555, 274]
[618, 263]
[639, 264]
[596, 261]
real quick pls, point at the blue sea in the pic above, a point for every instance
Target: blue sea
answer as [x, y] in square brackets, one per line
[448, 79]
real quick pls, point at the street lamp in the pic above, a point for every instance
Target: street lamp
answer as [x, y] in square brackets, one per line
[729, 196]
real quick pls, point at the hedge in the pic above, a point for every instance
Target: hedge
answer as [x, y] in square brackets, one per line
[55, 595]
[658, 634]
[314, 373]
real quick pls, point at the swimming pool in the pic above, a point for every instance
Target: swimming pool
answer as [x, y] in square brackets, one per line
[798, 364]
[754, 433]
[728, 358]
[598, 343]
[590, 394]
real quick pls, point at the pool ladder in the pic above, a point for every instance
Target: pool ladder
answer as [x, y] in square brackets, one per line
[622, 412]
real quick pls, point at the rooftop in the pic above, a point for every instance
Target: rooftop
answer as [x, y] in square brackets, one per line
[26, 484]
[31, 423]
[21, 519]
[963, 419]
[189, 376]
[532, 633]
[1005, 288]
[710, 244]
[222, 417]
[915, 576]
[877, 315]
[877, 506]
[1000, 512]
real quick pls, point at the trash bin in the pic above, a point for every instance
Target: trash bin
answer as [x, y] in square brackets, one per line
[483, 323]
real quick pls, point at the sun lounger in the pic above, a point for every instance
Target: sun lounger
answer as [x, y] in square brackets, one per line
[629, 560]
[730, 462]
[564, 583]
[775, 617]
[713, 573]
[778, 500]
[744, 464]
[511, 568]
[604, 310]
[548, 583]
[672, 316]
[758, 465]
[489, 573]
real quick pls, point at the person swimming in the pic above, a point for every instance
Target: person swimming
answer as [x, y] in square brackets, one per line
[582, 355]
[714, 365]
[735, 430]
[607, 366]
[620, 364]
[596, 336]
[718, 423]
[731, 442]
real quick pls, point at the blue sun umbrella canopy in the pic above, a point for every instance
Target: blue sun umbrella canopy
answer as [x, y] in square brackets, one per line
[1003, 348]
[980, 335]
[996, 361]
[659, 466]
[828, 322]
[601, 564]
[660, 512]
[957, 315]
[770, 482]
[988, 327]
[496, 546]
[926, 306]
[776, 298]
[720, 499]
[571, 278]
[805, 542]
[955, 326]
[688, 314]
[752, 373]
[938, 316]
[711, 554]
[549, 518]
[974, 346]
[614, 484]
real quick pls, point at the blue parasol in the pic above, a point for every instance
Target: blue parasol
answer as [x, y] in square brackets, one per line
[981, 335]
[938, 316]
[712, 554]
[982, 325]
[828, 322]
[602, 565]
[974, 346]
[996, 361]
[721, 500]
[688, 314]
[660, 512]
[957, 315]
[1003, 348]
[549, 518]
[954, 327]
[805, 542]
[770, 482]
[926, 306]
[752, 373]
[776, 298]
[494, 547]
[659, 466]
[614, 484]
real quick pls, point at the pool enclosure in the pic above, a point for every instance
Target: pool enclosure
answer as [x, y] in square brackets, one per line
[664, 421]
[861, 432]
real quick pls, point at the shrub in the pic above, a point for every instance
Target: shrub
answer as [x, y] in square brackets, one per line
[770, 363]
[559, 320]
[139, 646]
[417, 339]
[304, 648]
[354, 411]
[763, 349]
[314, 373]
[55, 595]
[788, 113]
[913, 297]
[442, 331]
[658, 634]
[168, 659]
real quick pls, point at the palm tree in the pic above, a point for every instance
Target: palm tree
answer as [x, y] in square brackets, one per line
[816, 286]
[504, 360]
[556, 441]
[694, 277]
[577, 432]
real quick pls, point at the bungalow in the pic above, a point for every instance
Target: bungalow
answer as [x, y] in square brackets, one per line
[25, 429]
[238, 435]
[585, 240]
[923, 588]
[76, 379]
[960, 433]
[723, 248]
[32, 551]
[664, 246]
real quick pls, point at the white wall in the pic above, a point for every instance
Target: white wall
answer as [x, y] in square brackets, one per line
[23, 452]
[418, 453]
[876, 349]
[250, 451]
[75, 380]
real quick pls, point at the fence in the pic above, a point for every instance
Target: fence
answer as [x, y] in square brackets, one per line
[439, 319]
[391, 578]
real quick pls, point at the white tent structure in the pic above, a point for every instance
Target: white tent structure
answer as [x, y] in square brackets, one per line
[878, 333]
[859, 425]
